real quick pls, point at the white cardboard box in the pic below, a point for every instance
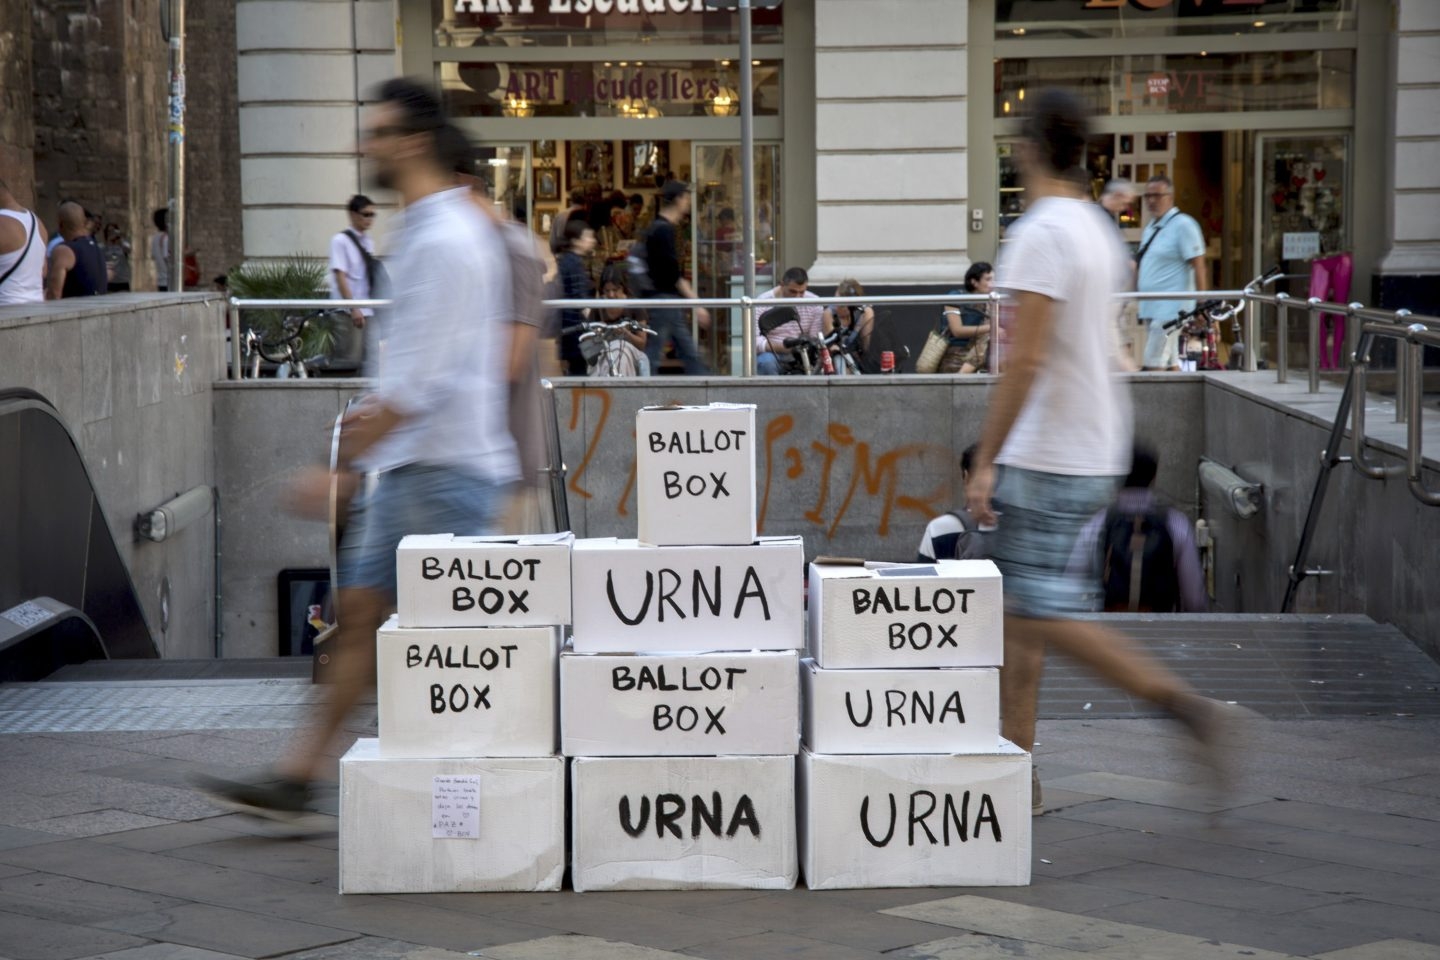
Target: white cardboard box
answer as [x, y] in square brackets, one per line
[457, 692]
[952, 710]
[677, 704]
[388, 813]
[915, 820]
[879, 616]
[683, 823]
[631, 598]
[695, 474]
[447, 581]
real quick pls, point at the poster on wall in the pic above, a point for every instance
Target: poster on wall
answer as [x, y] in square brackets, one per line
[591, 161]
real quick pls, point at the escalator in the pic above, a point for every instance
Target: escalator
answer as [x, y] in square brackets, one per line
[65, 593]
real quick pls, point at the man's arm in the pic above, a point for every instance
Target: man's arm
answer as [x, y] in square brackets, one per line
[342, 284]
[688, 292]
[62, 261]
[1201, 275]
[1033, 330]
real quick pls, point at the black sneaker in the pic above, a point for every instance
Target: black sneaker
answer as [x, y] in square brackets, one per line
[281, 799]
[1221, 731]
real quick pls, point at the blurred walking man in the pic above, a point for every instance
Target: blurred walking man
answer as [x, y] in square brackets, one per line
[1059, 426]
[436, 426]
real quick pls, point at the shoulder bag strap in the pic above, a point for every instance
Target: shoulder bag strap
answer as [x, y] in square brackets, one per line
[1161, 225]
[24, 250]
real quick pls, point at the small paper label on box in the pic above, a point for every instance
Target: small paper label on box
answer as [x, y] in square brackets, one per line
[455, 808]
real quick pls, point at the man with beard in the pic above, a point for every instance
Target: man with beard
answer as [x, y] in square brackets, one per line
[435, 428]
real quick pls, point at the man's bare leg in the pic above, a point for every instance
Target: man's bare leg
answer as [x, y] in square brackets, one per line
[360, 613]
[1020, 681]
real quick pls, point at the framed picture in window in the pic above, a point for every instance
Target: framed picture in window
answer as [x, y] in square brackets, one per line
[591, 162]
[646, 162]
[545, 149]
[547, 184]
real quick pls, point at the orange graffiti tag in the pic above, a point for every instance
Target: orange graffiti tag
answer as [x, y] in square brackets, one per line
[774, 430]
[577, 396]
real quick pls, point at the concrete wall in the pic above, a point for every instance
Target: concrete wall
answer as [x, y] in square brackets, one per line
[890, 126]
[856, 467]
[131, 375]
[1381, 543]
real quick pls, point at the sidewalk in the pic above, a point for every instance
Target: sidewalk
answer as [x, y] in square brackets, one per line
[1330, 846]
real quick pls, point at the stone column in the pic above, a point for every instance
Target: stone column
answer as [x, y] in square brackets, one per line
[304, 66]
[1411, 266]
[890, 119]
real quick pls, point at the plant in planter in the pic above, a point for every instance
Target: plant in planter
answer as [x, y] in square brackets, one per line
[294, 277]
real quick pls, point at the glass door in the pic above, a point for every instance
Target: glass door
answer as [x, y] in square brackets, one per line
[718, 247]
[507, 174]
[1301, 217]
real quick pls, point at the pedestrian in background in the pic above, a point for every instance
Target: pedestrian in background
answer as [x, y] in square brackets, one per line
[353, 265]
[809, 321]
[1171, 257]
[662, 257]
[435, 428]
[160, 248]
[22, 252]
[77, 268]
[116, 251]
[1057, 439]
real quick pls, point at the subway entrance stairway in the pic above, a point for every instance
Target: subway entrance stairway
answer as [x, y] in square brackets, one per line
[1328, 846]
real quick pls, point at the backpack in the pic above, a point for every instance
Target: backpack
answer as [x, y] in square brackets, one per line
[374, 269]
[637, 265]
[952, 536]
[1138, 556]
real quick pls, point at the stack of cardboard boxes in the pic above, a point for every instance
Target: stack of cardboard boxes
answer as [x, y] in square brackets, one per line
[463, 790]
[679, 692]
[905, 780]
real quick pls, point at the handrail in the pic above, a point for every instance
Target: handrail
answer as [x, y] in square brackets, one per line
[1419, 337]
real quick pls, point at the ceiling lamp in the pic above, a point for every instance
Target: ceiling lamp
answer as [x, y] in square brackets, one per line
[725, 103]
[516, 107]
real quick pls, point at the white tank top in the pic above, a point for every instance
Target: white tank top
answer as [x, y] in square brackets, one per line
[27, 283]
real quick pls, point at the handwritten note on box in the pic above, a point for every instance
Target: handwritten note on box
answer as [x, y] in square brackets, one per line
[455, 807]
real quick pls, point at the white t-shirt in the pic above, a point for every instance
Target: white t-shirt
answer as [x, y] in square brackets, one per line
[160, 257]
[345, 257]
[1077, 419]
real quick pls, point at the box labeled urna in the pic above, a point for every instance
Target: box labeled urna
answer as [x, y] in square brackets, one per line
[631, 598]
[695, 474]
[450, 825]
[943, 614]
[448, 581]
[949, 710]
[466, 692]
[683, 823]
[699, 704]
[915, 820]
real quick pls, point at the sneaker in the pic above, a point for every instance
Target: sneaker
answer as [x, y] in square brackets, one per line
[1037, 802]
[1219, 729]
[281, 799]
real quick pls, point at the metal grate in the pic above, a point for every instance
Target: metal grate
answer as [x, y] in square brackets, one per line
[155, 705]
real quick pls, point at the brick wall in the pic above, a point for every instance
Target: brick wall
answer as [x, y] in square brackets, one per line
[17, 168]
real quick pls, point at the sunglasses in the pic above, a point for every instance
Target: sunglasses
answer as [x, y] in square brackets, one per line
[368, 214]
[1155, 196]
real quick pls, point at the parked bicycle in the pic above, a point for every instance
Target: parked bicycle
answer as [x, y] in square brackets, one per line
[287, 347]
[609, 352]
[1199, 328]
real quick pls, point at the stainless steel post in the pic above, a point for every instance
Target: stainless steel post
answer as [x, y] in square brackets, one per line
[1250, 331]
[747, 321]
[747, 177]
[1402, 371]
[1282, 338]
[1312, 317]
[236, 372]
[1415, 429]
[996, 340]
[1357, 413]
[177, 146]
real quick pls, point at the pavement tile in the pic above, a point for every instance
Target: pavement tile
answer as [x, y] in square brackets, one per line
[207, 748]
[1185, 948]
[806, 915]
[637, 923]
[1168, 821]
[1425, 785]
[1056, 826]
[1344, 881]
[1295, 933]
[976, 946]
[1405, 923]
[68, 900]
[1220, 858]
[167, 837]
[302, 862]
[1022, 922]
[164, 951]
[377, 948]
[778, 946]
[1385, 950]
[1356, 851]
[94, 823]
[1165, 793]
[1158, 880]
[673, 899]
[34, 938]
[429, 926]
[218, 928]
[574, 948]
[21, 808]
[882, 898]
[12, 837]
[1068, 896]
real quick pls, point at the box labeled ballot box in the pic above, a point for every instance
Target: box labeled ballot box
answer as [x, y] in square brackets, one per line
[448, 581]
[695, 474]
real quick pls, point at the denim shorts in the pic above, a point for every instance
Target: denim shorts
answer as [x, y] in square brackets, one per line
[416, 498]
[1042, 515]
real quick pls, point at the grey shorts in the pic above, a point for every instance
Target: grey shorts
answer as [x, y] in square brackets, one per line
[1162, 347]
[417, 498]
[1042, 515]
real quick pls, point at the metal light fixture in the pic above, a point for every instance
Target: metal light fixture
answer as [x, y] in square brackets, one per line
[168, 519]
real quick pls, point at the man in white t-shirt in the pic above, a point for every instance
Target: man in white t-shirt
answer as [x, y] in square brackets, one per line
[1059, 426]
[351, 254]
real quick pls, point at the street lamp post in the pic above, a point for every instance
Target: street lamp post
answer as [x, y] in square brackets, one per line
[175, 35]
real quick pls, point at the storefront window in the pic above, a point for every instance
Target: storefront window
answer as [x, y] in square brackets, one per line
[1157, 84]
[636, 90]
[1085, 19]
[592, 23]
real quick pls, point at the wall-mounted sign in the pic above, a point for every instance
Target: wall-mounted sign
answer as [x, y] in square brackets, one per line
[1300, 246]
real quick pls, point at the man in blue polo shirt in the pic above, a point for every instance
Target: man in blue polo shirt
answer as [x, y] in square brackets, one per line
[1171, 256]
